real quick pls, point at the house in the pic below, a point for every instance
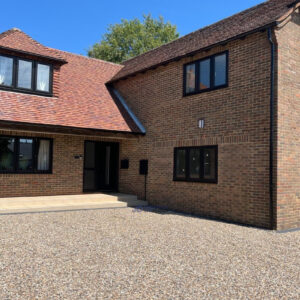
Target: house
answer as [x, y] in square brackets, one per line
[214, 117]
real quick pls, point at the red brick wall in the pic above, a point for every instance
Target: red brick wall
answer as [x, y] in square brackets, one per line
[236, 119]
[288, 152]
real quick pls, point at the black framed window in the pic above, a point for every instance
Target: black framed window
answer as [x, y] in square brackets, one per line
[196, 164]
[206, 74]
[25, 155]
[26, 76]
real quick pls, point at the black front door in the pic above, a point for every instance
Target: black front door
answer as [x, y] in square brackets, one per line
[100, 166]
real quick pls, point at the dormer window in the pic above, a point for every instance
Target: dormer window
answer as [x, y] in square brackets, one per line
[25, 75]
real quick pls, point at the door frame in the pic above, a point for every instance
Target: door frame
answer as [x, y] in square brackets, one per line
[117, 145]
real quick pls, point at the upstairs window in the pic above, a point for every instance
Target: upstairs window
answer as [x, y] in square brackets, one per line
[196, 164]
[25, 75]
[206, 74]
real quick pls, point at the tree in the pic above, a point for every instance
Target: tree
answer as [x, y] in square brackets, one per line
[131, 38]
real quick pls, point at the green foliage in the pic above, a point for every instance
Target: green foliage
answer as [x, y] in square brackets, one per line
[131, 38]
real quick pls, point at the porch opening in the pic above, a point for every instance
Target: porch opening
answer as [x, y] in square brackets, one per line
[101, 164]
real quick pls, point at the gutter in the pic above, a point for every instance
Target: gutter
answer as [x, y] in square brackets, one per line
[49, 128]
[271, 150]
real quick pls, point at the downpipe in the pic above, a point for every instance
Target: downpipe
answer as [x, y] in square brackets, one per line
[271, 150]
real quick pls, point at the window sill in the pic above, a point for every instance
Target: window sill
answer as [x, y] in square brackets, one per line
[25, 91]
[25, 172]
[214, 181]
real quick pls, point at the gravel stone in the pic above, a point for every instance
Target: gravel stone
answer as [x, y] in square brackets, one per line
[143, 254]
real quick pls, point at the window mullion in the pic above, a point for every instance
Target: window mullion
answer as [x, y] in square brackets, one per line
[15, 70]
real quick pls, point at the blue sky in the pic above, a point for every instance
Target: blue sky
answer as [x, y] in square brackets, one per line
[75, 25]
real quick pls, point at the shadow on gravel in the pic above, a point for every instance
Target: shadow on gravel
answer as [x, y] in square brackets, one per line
[166, 211]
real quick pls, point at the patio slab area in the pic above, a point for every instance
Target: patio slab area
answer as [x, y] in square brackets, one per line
[68, 202]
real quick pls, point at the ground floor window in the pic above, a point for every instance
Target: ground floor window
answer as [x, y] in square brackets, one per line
[25, 155]
[196, 164]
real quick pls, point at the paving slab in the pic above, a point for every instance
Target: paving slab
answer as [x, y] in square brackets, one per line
[68, 202]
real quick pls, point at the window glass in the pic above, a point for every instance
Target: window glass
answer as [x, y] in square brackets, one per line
[209, 163]
[107, 165]
[204, 81]
[201, 164]
[190, 78]
[194, 161]
[43, 76]
[24, 74]
[43, 160]
[6, 70]
[7, 152]
[180, 163]
[25, 159]
[220, 70]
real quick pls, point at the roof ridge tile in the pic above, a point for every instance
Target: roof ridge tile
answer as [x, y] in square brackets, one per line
[85, 57]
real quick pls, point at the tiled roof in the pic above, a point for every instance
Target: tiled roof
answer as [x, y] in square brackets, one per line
[84, 100]
[239, 24]
[16, 39]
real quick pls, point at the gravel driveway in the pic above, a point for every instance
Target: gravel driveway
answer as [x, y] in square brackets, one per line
[128, 254]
